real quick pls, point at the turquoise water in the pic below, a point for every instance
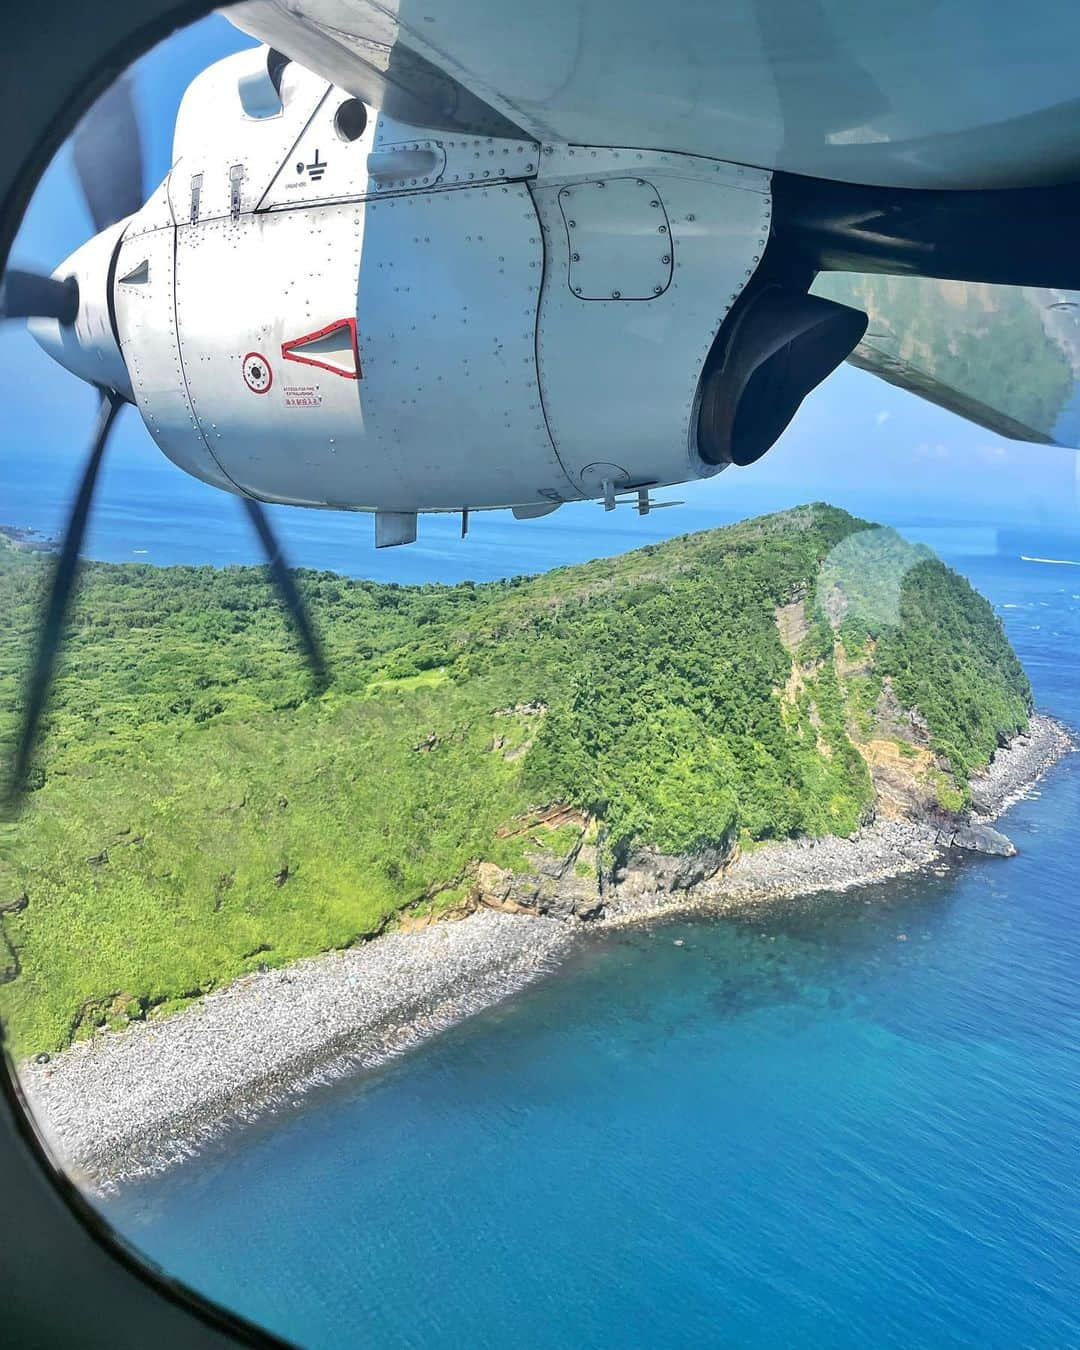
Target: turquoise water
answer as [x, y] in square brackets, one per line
[851, 1122]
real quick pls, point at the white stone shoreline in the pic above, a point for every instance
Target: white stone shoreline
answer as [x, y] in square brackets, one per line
[129, 1103]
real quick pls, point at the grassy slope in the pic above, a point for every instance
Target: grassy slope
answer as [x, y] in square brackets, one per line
[199, 813]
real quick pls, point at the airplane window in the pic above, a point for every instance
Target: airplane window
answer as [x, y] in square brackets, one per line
[538, 687]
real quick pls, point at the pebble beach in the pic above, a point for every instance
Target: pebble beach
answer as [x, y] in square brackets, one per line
[127, 1103]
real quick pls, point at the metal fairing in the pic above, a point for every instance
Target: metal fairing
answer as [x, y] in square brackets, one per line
[319, 165]
[235, 156]
[340, 311]
[469, 159]
[445, 287]
[388, 157]
[506, 346]
[620, 376]
[146, 319]
[416, 320]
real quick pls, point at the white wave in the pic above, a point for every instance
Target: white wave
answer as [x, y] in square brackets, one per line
[1060, 562]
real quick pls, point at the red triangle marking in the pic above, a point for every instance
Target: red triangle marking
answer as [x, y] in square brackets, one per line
[340, 357]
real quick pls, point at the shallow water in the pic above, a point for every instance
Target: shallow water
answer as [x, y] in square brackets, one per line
[854, 1121]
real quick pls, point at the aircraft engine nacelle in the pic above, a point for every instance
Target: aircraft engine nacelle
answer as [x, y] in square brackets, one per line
[324, 306]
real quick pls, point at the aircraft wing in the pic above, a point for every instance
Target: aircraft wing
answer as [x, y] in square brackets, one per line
[917, 151]
[1005, 357]
[969, 94]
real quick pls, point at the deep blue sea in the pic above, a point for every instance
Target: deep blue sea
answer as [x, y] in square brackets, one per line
[854, 1121]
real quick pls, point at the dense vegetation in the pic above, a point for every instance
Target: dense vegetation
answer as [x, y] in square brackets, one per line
[199, 810]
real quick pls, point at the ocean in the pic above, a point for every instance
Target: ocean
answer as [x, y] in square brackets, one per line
[845, 1122]
[148, 511]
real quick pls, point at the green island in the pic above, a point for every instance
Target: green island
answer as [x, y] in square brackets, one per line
[200, 810]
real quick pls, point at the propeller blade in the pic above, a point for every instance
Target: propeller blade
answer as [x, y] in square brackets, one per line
[287, 591]
[63, 587]
[28, 295]
[107, 149]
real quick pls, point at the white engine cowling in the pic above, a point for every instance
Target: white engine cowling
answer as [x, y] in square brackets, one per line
[326, 307]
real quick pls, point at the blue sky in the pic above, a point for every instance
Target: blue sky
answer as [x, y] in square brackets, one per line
[856, 441]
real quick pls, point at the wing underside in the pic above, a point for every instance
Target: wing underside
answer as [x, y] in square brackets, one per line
[912, 95]
[917, 105]
[1005, 357]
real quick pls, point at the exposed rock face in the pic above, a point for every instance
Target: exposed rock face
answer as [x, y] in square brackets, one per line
[910, 830]
[546, 890]
[561, 878]
[587, 909]
[908, 777]
[571, 886]
[648, 872]
[978, 839]
[902, 788]
[791, 622]
[532, 709]
[892, 719]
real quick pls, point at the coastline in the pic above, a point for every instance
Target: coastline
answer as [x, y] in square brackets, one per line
[130, 1103]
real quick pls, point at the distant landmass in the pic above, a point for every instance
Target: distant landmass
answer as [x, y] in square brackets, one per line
[22, 538]
[529, 744]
